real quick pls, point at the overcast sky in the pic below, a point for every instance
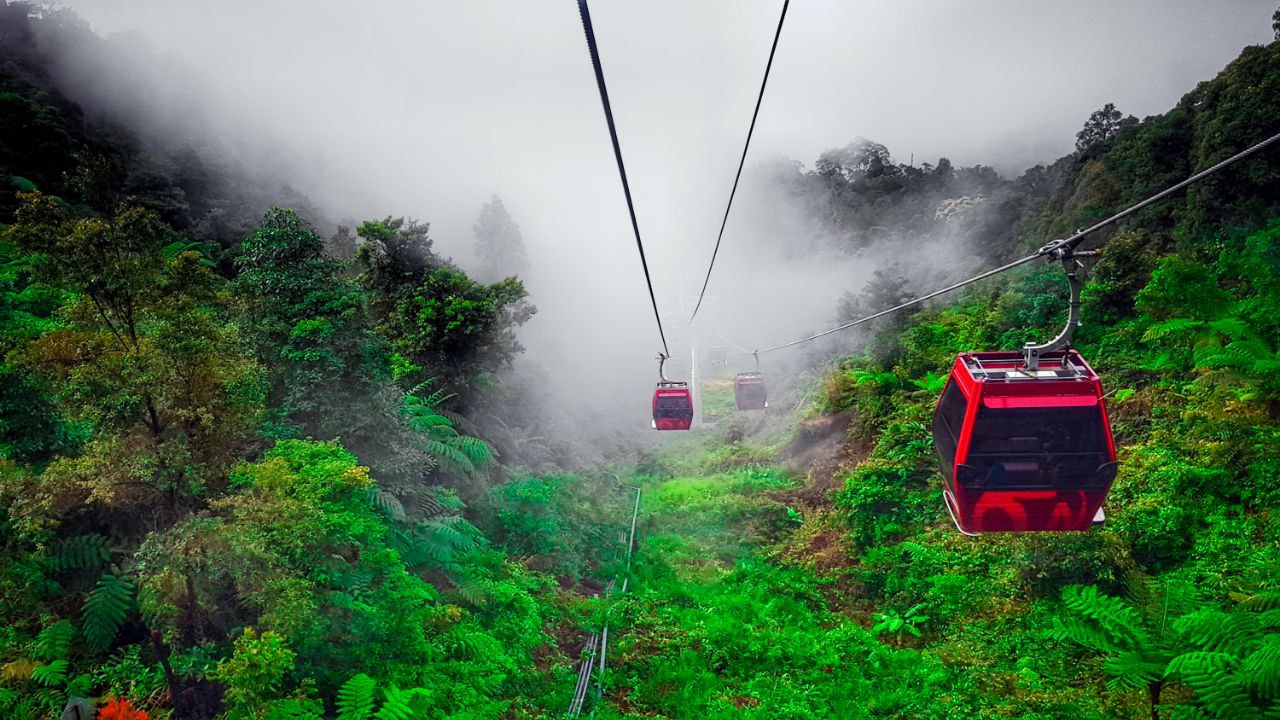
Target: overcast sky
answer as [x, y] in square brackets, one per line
[426, 108]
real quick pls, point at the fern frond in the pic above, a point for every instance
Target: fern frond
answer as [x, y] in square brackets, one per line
[1231, 326]
[1119, 620]
[1132, 670]
[472, 589]
[294, 709]
[423, 419]
[1216, 631]
[450, 456]
[1200, 663]
[1268, 599]
[1209, 674]
[54, 642]
[51, 675]
[388, 504]
[448, 498]
[435, 398]
[355, 698]
[1173, 326]
[82, 552]
[466, 643]
[478, 451]
[398, 704]
[18, 670]
[1261, 669]
[105, 610]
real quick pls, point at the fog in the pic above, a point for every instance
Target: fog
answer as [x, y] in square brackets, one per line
[425, 109]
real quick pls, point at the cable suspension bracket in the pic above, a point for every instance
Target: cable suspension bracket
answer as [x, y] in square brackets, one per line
[1072, 267]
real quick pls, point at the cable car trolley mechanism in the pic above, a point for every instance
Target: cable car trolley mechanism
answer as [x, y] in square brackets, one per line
[1023, 436]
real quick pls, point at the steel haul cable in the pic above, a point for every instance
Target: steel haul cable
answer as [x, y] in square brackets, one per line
[1069, 243]
[743, 160]
[622, 169]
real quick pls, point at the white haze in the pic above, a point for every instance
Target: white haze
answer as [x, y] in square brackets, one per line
[427, 108]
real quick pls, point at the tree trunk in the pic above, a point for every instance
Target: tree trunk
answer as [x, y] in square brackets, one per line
[1154, 688]
[170, 678]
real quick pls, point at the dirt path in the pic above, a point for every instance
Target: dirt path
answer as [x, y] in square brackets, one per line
[823, 452]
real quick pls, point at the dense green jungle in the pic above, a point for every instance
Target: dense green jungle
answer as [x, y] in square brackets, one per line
[239, 476]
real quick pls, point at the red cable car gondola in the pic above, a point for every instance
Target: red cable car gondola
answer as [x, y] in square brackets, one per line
[1023, 436]
[672, 406]
[749, 392]
[672, 402]
[1024, 450]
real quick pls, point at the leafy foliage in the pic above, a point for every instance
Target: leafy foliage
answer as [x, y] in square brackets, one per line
[356, 698]
[105, 610]
[891, 621]
[167, 346]
[434, 316]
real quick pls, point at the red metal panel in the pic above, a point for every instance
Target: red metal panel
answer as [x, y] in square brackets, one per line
[997, 402]
[999, 381]
[1029, 510]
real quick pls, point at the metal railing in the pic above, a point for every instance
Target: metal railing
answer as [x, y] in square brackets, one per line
[595, 652]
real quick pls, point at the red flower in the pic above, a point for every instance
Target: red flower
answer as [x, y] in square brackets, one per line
[120, 710]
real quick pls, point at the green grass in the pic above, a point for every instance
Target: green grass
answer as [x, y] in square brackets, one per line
[717, 399]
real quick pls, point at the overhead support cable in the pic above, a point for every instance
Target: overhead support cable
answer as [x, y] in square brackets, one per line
[622, 168]
[743, 160]
[1052, 249]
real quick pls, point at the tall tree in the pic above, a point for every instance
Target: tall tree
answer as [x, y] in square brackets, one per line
[1102, 125]
[440, 322]
[309, 325]
[499, 242]
[142, 357]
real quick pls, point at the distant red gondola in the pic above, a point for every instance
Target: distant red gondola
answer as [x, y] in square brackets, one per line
[672, 406]
[1024, 449]
[749, 391]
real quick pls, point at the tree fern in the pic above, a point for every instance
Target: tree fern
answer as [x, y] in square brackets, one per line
[105, 610]
[1140, 644]
[456, 452]
[356, 698]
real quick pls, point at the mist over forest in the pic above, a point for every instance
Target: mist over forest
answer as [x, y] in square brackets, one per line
[328, 363]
